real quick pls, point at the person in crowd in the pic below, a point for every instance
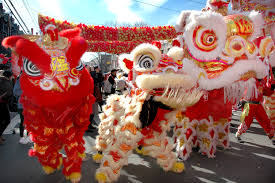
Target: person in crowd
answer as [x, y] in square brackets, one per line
[111, 80]
[17, 92]
[98, 79]
[6, 93]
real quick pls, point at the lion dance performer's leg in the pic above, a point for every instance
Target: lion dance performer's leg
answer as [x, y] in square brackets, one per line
[269, 105]
[185, 137]
[158, 146]
[127, 137]
[47, 151]
[72, 136]
[46, 143]
[249, 112]
[74, 147]
[110, 117]
[207, 137]
[222, 127]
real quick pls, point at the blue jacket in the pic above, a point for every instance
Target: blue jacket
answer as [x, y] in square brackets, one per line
[17, 92]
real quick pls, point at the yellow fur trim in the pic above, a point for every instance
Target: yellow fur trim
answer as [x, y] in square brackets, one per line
[60, 163]
[97, 157]
[48, 170]
[178, 167]
[100, 177]
[75, 177]
[142, 151]
[82, 155]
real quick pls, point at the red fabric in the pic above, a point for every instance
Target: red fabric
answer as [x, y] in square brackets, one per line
[10, 41]
[257, 111]
[76, 50]
[34, 53]
[213, 105]
[263, 90]
[70, 33]
[128, 63]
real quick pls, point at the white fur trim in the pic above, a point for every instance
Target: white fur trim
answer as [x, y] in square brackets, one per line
[49, 26]
[181, 21]
[209, 20]
[146, 81]
[145, 48]
[258, 24]
[272, 59]
[176, 53]
[122, 64]
[228, 76]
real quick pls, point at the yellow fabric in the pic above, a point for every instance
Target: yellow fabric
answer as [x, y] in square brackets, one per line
[245, 112]
[48, 170]
[100, 177]
[178, 167]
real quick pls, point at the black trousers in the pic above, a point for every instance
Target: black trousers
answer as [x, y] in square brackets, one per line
[4, 117]
[21, 126]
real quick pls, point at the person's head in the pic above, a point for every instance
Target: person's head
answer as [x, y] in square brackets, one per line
[113, 72]
[7, 74]
[96, 68]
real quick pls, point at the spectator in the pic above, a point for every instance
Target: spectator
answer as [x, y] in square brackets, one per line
[6, 87]
[98, 79]
[17, 93]
[111, 80]
[121, 84]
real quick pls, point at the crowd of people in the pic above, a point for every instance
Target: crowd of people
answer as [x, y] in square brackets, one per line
[10, 93]
[105, 85]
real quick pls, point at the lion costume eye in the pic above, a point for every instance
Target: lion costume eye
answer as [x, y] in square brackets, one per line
[145, 62]
[80, 66]
[204, 39]
[30, 68]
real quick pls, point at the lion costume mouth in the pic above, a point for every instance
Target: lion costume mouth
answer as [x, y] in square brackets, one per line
[177, 97]
[176, 90]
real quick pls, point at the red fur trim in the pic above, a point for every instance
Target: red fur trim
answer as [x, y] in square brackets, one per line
[70, 33]
[9, 42]
[51, 33]
[34, 53]
[128, 63]
[130, 76]
[76, 50]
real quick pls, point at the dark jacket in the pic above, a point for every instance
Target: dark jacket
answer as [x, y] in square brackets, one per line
[111, 79]
[6, 88]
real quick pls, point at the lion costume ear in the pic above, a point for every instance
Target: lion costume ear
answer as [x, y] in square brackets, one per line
[125, 63]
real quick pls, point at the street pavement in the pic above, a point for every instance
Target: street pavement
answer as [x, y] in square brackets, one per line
[250, 162]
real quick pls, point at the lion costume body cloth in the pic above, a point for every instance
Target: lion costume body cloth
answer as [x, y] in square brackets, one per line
[57, 97]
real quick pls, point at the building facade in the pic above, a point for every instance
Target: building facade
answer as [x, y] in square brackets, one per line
[7, 28]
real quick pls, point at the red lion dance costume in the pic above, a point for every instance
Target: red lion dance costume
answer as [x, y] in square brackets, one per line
[57, 96]
[224, 57]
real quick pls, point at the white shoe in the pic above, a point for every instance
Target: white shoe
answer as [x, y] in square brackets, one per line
[28, 139]
[23, 140]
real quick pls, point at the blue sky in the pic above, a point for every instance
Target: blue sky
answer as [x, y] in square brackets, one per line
[100, 12]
